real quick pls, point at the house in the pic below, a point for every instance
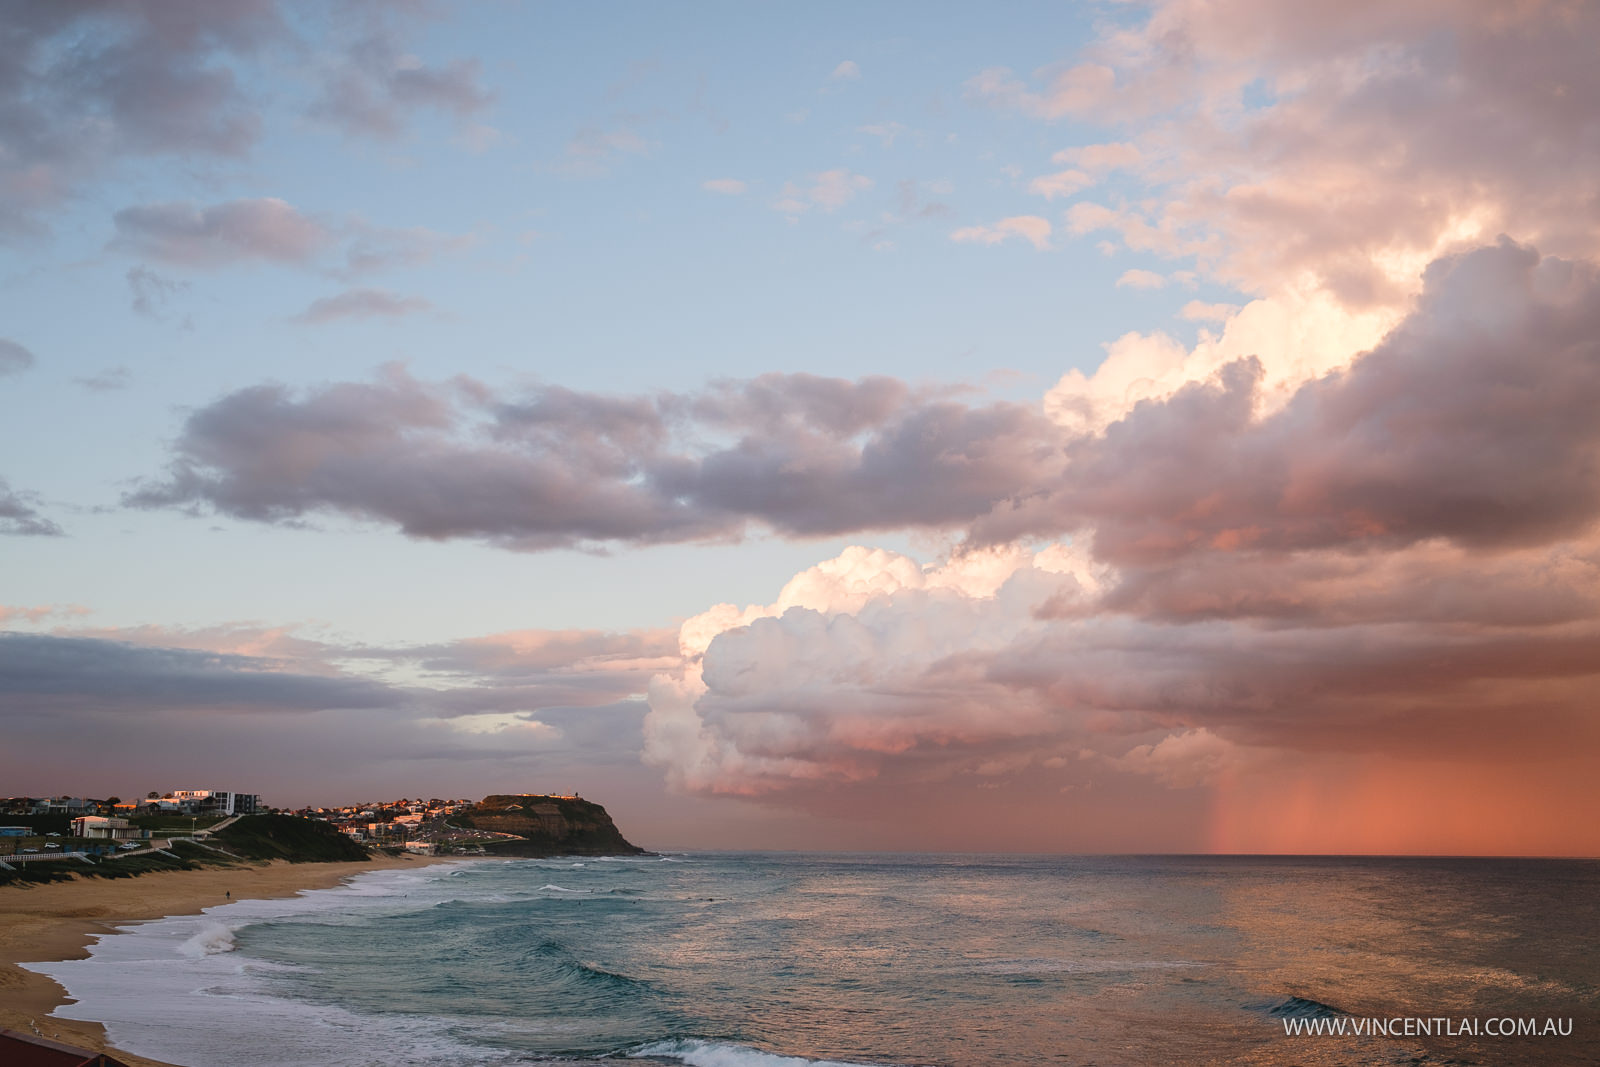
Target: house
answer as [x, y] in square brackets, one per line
[104, 828]
[25, 1050]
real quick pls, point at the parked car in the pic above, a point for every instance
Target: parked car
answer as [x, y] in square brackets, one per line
[52, 844]
[30, 850]
[52, 833]
[127, 846]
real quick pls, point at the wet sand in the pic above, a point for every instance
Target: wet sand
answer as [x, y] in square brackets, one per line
[58, 920]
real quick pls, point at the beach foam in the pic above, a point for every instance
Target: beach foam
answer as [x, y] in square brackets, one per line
[700, 1053]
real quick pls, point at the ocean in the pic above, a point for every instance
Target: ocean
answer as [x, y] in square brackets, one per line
[785, 960]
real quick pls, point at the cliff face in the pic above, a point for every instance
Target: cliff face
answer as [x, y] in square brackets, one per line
[547, 826]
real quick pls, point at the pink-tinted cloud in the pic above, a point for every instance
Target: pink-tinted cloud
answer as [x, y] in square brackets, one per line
[1346, 143]
[1030, 228]
[361, 304]
[236, 231]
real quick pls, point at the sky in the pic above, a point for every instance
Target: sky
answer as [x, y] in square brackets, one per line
[1117, 427]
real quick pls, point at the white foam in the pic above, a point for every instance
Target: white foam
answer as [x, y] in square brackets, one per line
[212, 939]
[561, 889]
[699, 1053]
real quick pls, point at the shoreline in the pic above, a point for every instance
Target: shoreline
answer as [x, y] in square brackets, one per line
[57, 921]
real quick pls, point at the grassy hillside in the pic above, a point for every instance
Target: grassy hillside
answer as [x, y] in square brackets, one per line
[288, 837]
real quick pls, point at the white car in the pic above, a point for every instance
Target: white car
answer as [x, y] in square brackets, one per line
[127, 846]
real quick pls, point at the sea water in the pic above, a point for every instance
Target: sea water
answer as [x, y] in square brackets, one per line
[783, 960]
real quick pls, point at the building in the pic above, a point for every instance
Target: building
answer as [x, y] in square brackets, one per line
[106, 829]
[214, 802]
[16, 831]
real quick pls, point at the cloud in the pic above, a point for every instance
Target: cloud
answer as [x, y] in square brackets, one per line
[235, 231]
[846, 71]
[1432, 434]
[1199, 311]
[14, 359]
[594, 149]
[1141, 279]
[19, 517]
[373, 249]
[802, 455]
[1031, 228]
[109, 380]
[375, 88]
[725, 186]
[88, 85]
[40, 613]
[1398, 567]
[1062, 183]
[270, 711]
[41, 674]
[150, 291]
[361, 304]
[885, 132]
[1342, 147]
[829, 190]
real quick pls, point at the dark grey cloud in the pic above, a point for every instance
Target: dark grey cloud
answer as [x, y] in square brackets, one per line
[287, 723]
[803, 455]
[19, 517]
[14, 359]
[42, 674]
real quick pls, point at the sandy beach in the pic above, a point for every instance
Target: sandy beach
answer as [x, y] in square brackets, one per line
[57, 921]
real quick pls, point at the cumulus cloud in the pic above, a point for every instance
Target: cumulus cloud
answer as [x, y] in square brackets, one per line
[235, 231]
[361, 304]
[847, 71]
[1433, 434]
[1030, 228]
[802, 455]
[1364, 574]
